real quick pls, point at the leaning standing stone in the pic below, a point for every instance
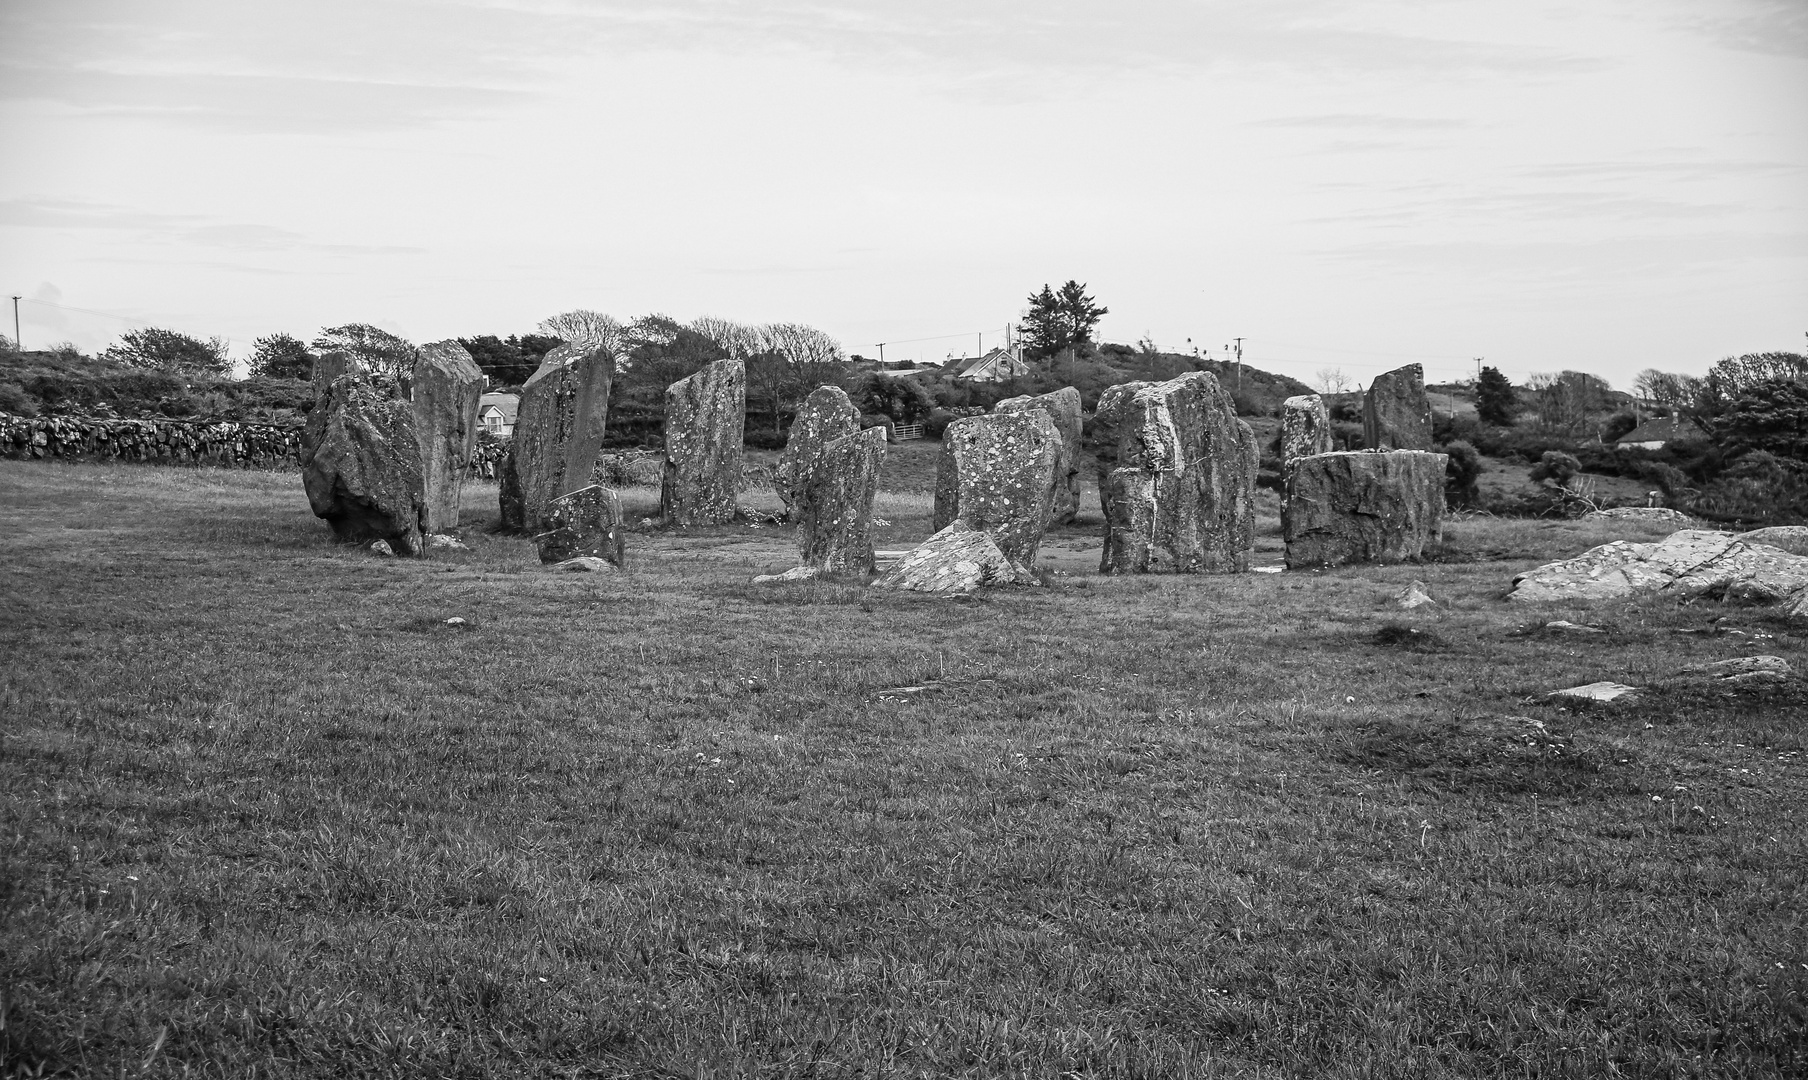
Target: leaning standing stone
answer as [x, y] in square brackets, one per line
[1305, 428]
[1363, 506]
[997, 474]
[362, 465]
[446, 386]
[827, 414]
[1063, 407]
[559, 426]
[704, 415]
[1396, 414]
[585, 523]
[835, 507]
[958, 559]
[1180, 499]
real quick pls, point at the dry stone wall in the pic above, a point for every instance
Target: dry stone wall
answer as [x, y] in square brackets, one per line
[226, 443]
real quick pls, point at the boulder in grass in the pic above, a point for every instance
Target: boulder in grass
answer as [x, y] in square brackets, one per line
[835, 505]
[585, 523]
[1686, 564]
[361, 465]
[1305, 428]
[796, 573]
[1063, 407]
[1363, 506]
[1179, 494]
[957, 560]
[559, 427]
[826, 415]
[704, 418]
[1396, 414]
[1742, 669]
[1639, 513]
[997, 474]
[444, 393]
[1788, 538]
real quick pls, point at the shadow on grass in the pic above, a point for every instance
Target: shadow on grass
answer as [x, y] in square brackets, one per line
[1511, 755]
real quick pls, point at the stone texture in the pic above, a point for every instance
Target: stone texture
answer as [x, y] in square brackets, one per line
[997, 474]
[704, 416]
[1639, 513]
[1178, 487]
[796, 573]
[585, 523]
[586, 564]
[444, 393]
[1396, 414]
[826, 415]
[1363, 506]
[835, 505]
[559, 426]
[361, 465]
[958, 559]
[1413, 596]
[1743, 669]
[1305, 428]
[1063, 407]
[1687, 563]
[1596, 691]
[1790, 538]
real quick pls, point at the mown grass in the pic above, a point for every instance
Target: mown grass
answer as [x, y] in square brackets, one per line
[267, 813]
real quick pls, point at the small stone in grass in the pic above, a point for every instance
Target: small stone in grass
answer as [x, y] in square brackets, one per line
[584, 564]
[455, 621]
[1414, 596]
[381, 547]
[445, 542]
[1596, 691]
[796, 573]
[1573, 628]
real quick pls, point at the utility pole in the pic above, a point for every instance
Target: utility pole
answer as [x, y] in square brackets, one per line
[17, 344]
[882, 354]
[1239, 363]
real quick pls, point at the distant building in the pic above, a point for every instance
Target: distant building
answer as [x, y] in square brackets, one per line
[1653, 434]
[997, 365]
[496, 413]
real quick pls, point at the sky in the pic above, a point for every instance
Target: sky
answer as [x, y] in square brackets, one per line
[1604, 187]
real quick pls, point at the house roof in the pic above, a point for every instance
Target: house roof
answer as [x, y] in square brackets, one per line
[1661, 429]
[506, 404]
[967, 365]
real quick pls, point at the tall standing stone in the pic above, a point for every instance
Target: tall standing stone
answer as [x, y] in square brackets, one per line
[704, 418]
[444, 393]
[361, 464]
[1063, 407]
[1396, 414]
[1305, 428]
[1179, 494]
[835, 505]
[827, 414]
[559, 427]
[1363, 506]
[997, 474]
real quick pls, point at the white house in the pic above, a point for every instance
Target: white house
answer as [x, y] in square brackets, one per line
[496, 413]
[1653, 434]
[997, 365]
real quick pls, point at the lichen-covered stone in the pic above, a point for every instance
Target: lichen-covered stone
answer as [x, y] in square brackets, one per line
[361, 467]
[957, 559]
[826, 415]
[1178, 489]
[559, 427]
[704, 416]
[444, 393]
[584, 523]
[1686, 564]
[1063, 407]
[1363, 506]
[1305, 428]
[835, 505]
[1396, 414]
[997, 474]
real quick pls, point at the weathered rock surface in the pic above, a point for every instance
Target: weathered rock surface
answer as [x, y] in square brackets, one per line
[1743, 669]
[559, 427]
[997, 474]
[1178, 490]
[1396, 414]
[444, 393]
[1063, 407]
[586, 564]
[1363, 506]
[958, 559]
[1413, 596]
[835, 506]
[585, 523]
[826, 415]
[361, 466]
[1596, 691]
[1639, 513]
[1687, 563]
[1305, 428]
[796, 573]
[704, 416]
[1790, 538]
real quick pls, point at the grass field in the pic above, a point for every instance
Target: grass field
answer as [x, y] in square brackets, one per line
[267, 814]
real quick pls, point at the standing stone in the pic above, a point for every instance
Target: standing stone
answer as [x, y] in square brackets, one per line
[1363, 506]
[1179, 497]
[1396, 414]
[559, 426]
[1063, 407]
[704, 416]
[997, 474]
[827, 414]
[835, 506]
[587, 523]
[444, 392]
[1305, 428]
[361, 464]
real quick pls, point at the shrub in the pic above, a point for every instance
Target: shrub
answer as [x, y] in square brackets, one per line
[1461, 473]
[765, 439]
[14, 399]
[1555, 468]
[937, 422]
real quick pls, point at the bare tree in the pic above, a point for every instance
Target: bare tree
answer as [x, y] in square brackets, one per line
[1331, 380]
[1567, 398]
[587, 330]
[1666, 388]
[738, 340]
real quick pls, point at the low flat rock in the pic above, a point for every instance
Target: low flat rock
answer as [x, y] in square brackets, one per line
[1639, 513]
[1596, 691]
[586, 523]
[958, 559]
[586, 564]
[1743, 669]
[796, 573]
[1790, 538]
[1414, 596]
[826, 415]
[1363, 506]
[1686, 564]
[1063, 408]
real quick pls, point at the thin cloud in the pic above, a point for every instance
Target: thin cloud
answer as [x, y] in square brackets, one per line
[1361, 121]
